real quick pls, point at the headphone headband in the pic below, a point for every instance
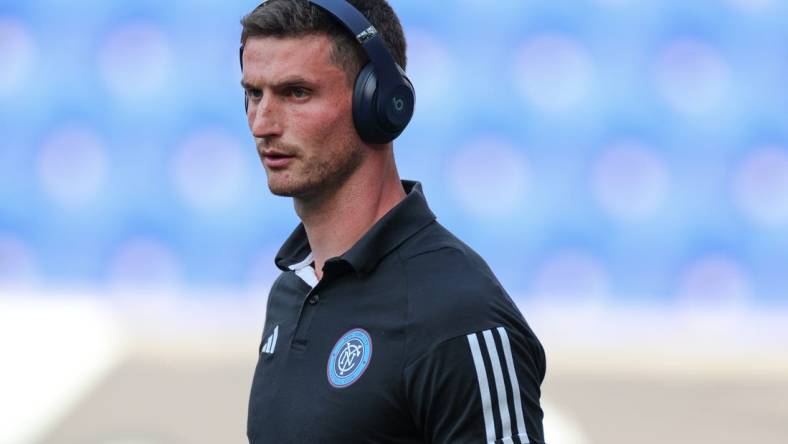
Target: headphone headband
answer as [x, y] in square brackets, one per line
[368, 37]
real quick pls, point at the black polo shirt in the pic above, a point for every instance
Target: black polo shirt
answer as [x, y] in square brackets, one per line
[407, 338]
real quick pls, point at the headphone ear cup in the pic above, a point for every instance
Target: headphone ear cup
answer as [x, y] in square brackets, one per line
[380, 123]
[364, 109]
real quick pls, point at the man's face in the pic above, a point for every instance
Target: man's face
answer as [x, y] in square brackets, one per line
[300, 114]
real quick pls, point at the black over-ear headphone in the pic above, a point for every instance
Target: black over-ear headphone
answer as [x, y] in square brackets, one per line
[383, 97]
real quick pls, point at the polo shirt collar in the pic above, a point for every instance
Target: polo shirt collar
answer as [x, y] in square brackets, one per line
[404, 220]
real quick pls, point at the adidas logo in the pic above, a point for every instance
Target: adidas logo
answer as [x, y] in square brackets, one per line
[270, 342]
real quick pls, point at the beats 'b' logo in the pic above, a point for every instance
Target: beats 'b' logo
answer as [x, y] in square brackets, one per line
[399, 104]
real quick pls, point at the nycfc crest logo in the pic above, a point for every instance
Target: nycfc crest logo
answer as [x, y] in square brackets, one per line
[349, 358]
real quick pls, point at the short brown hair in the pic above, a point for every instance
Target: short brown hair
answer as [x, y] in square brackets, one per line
[293, 18]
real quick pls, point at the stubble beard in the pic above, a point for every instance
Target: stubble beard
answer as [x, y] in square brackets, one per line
[318, 176]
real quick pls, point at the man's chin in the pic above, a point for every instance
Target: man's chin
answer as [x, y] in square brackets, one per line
[281, 191]
[287, 190]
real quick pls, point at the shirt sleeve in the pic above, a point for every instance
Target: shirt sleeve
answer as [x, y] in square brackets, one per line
[483, 387]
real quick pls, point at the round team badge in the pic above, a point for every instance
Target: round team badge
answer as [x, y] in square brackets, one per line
[349, 358]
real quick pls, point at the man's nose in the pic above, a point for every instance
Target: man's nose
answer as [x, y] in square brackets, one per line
[264, 117]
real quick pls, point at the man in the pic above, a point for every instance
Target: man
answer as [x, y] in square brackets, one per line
[383, 327]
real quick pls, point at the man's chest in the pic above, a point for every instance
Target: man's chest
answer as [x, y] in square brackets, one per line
[330, 367]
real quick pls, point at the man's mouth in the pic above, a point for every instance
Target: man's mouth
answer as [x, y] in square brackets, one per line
[276, 160]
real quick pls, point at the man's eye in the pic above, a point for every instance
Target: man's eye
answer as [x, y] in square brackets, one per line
[298, 92]
[255, 93]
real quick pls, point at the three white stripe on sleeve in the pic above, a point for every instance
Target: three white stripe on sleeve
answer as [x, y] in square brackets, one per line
[502, 393]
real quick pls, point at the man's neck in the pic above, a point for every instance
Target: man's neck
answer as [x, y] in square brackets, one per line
[335, 222]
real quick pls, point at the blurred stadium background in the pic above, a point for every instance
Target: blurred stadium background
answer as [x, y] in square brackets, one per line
[622, 165]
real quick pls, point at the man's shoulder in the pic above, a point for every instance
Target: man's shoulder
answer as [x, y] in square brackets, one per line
[451, 290]
[434, 240]
[436, 252]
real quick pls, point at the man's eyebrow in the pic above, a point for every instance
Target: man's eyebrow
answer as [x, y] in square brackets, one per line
[287, 81]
